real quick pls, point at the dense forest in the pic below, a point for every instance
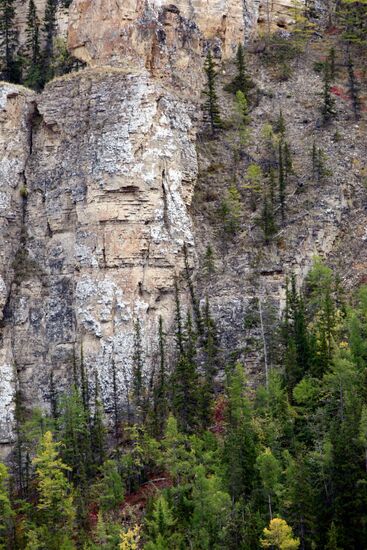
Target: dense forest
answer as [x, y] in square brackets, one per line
[200, 457]
[191, 465]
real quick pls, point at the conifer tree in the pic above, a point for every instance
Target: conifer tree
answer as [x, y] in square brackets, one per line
[138, 366]
[6, 512]
[281, 180]
[211, 105]
[241, 81]
[353, 89]
[194, 300]
[211, 356]
[98, 430]
[178, 319]
[49, 29]
[75, 433]
[239, 452]
[33, 75]
[55, 496]
[209, 263]
[160, 410]
[328, 106]
[267, 221]
[332, 64]
[185, 384]
[8, 41]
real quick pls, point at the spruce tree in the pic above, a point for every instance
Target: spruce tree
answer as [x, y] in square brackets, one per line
[49, 30]
[267, 221]
[8, 41]
[98, 430]
[281, 180]
[211, 106]
[33, 74]
[328, 106]
[160, 409]
[138, 366]
[353, 89]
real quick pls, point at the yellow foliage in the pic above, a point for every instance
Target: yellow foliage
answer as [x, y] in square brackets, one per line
[279, 535]
[129, 539]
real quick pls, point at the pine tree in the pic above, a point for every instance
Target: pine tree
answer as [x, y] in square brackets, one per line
[138, 367]
[98, 430]
[160, 410]
[49, 30]
[211, 106]
[280, 125]
[185, 393]
[211, 357]
[353, 89]
[239, 452]
[328, 106]
[281, 180]
[209, 263]
[8, 41]
[241, 81]
[75, 434]
[332, 64]
[178, 319]
[267, 221]
[33, 75]
[194, 300]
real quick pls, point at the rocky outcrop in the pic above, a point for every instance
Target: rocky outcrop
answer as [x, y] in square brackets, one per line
[16, 111]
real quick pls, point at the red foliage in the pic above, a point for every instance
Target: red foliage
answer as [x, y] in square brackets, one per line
[333, 30]
[140, 497]
[340, 92]
[219, 415]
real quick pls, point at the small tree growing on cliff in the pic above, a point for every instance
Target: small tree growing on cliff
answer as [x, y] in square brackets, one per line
[33, 76]
[353, 88]
[241, 82]
[328, 106]
[211, 106]
[49, 29]
[8, 40]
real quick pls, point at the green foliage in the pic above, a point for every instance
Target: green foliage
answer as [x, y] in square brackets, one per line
[242, 82]
[328, 106]
[8, 41]
[110, 488]
[6, 512]
[231, 211]
[211, 106]
[55, 508]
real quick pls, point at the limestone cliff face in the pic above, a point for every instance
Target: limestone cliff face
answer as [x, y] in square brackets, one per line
[97, 176]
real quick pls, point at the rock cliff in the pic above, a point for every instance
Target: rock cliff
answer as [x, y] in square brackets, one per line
[97, 177]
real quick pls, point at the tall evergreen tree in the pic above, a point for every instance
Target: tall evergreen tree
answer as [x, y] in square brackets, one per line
[328, 106]
[8, 41]
[138, 366]
[49, 30]
[353, 89]
[33, 73]
[211, 106]
[281, 180]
